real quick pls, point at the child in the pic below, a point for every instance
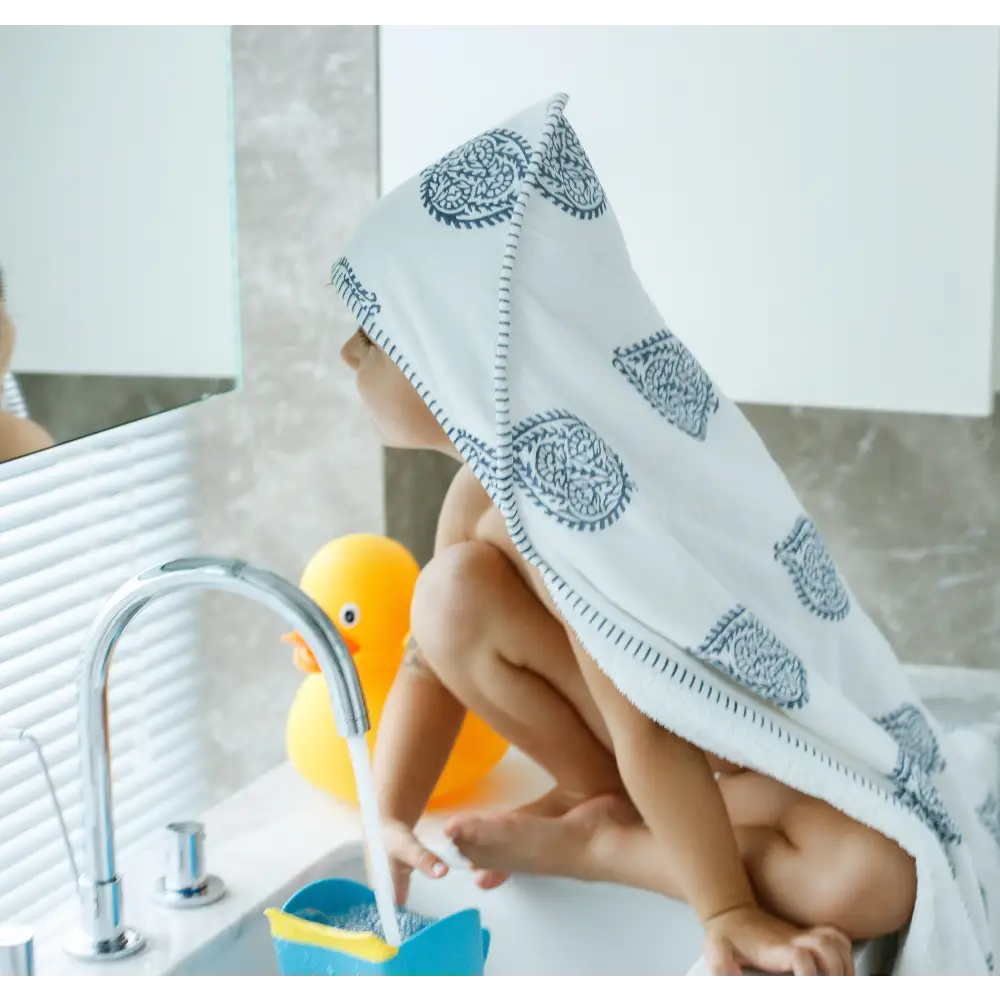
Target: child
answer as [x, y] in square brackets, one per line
[606, 561]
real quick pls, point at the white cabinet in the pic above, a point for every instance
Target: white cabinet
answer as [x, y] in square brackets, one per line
[813, 210]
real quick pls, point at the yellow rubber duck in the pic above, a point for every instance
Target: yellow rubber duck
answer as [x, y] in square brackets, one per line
[365, 585]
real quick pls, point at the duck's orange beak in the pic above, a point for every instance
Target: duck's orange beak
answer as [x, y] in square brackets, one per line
[304, 658]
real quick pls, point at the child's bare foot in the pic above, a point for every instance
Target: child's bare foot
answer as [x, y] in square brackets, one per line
[539, 839]
[551, 805]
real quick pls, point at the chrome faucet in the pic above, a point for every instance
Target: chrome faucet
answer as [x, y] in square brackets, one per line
[104, 934]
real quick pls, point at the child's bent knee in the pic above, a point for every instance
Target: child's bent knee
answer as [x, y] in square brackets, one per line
[870, 890]
[456, 599]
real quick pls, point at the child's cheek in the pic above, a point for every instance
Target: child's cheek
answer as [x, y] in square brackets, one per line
[371, 390]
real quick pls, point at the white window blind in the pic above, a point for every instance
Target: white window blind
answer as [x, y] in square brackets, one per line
[75, 523]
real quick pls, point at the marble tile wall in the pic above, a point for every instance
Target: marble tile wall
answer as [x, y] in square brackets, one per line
[910, 505]
[289, 461]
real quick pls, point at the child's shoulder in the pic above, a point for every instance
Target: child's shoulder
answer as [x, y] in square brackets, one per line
[464, 505]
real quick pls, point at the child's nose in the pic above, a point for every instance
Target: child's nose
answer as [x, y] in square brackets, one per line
[350, 353]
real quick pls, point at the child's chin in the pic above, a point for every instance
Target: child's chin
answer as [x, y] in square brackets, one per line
[396, 438]
[411, 437]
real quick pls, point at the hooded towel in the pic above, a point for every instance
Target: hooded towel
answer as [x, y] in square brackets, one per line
[499, 282]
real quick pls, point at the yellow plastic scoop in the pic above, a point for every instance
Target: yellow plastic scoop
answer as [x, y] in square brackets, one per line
[361, 944]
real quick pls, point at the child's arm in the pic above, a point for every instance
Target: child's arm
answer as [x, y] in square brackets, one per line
[417, 731]
[671, 784]
[419, 724]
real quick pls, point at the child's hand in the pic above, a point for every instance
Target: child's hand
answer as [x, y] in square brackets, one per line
[747, 937]
[406, 855]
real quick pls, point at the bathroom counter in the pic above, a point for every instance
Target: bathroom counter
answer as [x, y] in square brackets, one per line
[275, 832]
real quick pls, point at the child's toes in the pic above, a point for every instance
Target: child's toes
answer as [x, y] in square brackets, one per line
[469, 830]
[488, 879]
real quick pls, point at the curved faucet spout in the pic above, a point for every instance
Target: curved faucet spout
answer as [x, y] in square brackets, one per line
[104, 932]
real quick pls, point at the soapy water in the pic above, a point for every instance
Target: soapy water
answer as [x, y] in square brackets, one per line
[371, 825]
[364, 919]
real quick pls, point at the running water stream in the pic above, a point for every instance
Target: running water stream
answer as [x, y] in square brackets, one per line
[371, 823]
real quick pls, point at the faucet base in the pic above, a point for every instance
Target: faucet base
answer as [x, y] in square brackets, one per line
[210, 891]
[86, 949]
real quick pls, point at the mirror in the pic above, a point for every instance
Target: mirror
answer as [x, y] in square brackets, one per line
[117, 227]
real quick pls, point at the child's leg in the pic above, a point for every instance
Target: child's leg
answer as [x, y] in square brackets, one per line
[808, 863]
[492, 643]
[491, 640]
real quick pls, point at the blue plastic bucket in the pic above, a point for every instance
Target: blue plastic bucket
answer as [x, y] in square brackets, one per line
[454, 946]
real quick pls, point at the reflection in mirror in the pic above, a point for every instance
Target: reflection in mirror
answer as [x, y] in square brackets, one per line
[117, 229]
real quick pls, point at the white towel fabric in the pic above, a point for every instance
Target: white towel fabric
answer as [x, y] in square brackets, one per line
[498, 280]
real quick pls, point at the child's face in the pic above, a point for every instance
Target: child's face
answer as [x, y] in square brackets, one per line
[400, 416]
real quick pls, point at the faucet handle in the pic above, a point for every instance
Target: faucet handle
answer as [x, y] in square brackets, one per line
[17, 950]
[185, 883]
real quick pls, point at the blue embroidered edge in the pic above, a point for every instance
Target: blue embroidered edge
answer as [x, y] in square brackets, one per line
[362, 302]
[783, 553]
[367, 320]
[639, 650]
[479, 456]
[536, 489]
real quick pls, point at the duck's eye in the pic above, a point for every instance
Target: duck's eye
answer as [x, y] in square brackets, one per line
[349, 615]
